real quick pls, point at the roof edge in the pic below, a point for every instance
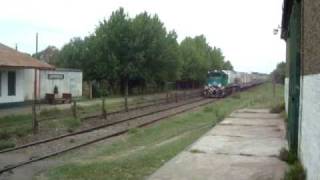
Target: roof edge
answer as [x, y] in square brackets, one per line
[286, 12]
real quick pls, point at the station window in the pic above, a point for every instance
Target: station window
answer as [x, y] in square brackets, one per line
[11, 83]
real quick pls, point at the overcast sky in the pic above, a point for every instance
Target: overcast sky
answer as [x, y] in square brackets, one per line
[242, 29]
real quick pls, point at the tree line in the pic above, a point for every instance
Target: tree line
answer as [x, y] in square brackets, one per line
[130, 52]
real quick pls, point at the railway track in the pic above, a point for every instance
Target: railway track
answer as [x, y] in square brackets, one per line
[98, 127]
[47, 148]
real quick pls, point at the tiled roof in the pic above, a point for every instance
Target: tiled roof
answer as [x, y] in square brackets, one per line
[11, 58]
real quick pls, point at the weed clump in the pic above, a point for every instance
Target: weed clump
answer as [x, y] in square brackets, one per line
[278, 108]
[288, 156]
[296, 172]
[197, 151]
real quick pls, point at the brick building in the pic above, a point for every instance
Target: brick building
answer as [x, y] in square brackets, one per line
[301, 31]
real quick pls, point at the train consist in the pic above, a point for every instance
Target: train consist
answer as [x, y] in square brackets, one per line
[223, 82]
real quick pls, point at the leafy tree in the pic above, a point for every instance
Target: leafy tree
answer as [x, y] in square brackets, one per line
[71, 54]
[155, 50]
[199, 57]
[279, 73]
[49, 55]
[227, 65]
[123, 50]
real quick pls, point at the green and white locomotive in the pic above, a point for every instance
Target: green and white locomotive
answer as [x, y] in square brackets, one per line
[221, 83]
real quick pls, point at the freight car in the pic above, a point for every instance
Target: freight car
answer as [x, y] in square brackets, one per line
[223, 82]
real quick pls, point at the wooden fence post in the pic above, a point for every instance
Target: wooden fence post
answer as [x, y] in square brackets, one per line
[74, 109]
[35, 124]
[126, 95]
[104, 112]
[176, 97]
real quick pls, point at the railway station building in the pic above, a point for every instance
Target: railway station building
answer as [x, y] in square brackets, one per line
[301, 31]
[23, 78]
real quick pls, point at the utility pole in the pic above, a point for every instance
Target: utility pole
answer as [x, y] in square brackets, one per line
[16, 46]
[36, 44]
[35, 123]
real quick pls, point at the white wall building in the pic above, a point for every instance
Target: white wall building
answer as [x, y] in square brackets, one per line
[22, 78]
[301, 31]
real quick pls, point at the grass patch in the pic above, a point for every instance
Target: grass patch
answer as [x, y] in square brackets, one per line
[197, 151]
[50, 112]
[236, 96]
[278, 108]
[71, 123]
[295, 172]
[15, 126]
[4, 144]
[143, 151]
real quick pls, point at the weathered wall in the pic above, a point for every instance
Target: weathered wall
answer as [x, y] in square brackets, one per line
[29, 84]
[309, 134]
[71, 83]
[4, 98]
[310, 125]
[311, 37]
[286, 92]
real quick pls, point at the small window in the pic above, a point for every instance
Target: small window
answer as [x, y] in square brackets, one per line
[11, 83]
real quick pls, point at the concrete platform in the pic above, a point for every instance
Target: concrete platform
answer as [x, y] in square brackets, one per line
[242, 147]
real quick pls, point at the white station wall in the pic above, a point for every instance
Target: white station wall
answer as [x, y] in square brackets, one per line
[18, 97]
[71, 82]
[286, 92]
[309, 135]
